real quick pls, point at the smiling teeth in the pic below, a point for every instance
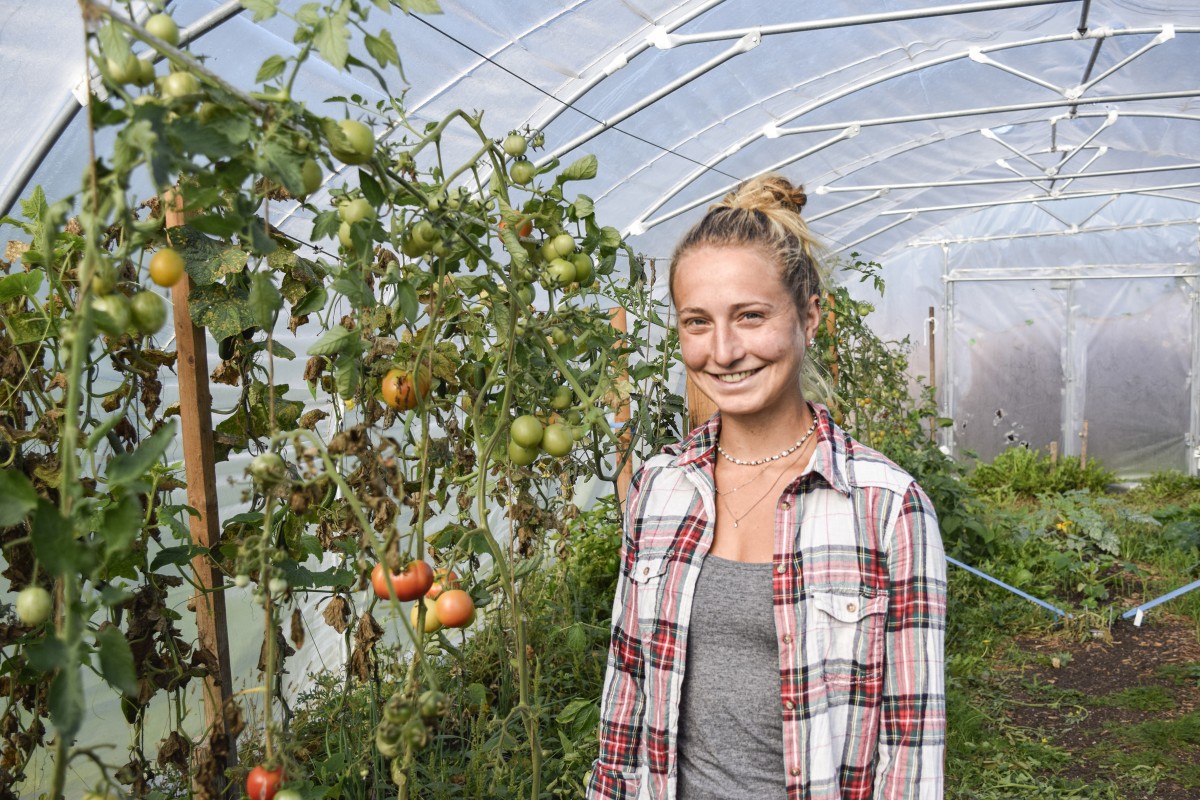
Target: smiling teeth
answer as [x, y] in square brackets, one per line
[734, 377]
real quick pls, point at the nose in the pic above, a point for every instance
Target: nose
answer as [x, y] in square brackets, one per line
[727, 345]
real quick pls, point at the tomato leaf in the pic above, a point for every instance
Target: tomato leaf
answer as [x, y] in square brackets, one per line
[332, 38]
[371, 189]
[262, 9]
[114, 43]
[116, 661]
[28, 327]
[176, 556]
[265, 300]
[406, 297]
[121, 523]
[66, 702]
[271, 68]
[47, 654]
[127, 468]
[584, 206]
[383, 48]
[347, 374]
[17, 497]
[207, 260]
[52, 540]
[336, 340]
[312, 302]
[419, 6]
[582, 170]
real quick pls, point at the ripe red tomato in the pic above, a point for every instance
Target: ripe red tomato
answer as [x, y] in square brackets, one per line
[455, 608]
[410, 584]
[262, 783]
[443, 579]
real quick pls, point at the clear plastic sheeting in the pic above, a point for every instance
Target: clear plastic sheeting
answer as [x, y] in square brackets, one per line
[934, 138]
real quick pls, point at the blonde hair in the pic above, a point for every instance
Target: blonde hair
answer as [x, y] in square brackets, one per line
[763, 214]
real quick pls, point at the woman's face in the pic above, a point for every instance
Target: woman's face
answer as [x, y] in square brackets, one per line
[742, 339]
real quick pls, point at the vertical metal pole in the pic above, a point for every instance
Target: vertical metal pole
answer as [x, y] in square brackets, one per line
[195, 404]
[947, 403]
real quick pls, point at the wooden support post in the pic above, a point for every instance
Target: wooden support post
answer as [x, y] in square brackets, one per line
[1083, 446]
[831, 329]
[620, 322]
[1054, 452]
[195, 404]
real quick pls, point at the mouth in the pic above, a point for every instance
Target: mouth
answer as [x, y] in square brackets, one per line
[735, 377]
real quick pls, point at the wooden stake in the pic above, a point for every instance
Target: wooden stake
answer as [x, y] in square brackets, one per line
[1083, 446]
[195, 404]
[1054, 452]
[620, 322]
[831, 329]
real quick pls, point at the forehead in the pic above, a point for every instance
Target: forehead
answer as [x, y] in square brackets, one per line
[727, 275]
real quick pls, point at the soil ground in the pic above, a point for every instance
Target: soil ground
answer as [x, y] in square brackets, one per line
[1126, 706]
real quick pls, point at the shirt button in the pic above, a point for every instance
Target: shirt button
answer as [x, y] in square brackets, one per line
[786, 505]
[782, 568]
[795, 771]
[787, 638]
[645, 570]
[789, 705]
[851, 607]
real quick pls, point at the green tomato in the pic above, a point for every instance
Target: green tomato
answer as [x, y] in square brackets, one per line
[33, 605]
[585, 268]
[356, 210]
[180, 86]
[112, 313]
[557, 440]
[311, 174]
[526, 431]
[564, 244]
[562, 398]
[268, 469]
[559, 272]
[104, 279]
[424, 233]
[124, 72]
[521, 456]
[360, 143]
[515, 145]
[148, 312]
[162, 26]
[344, 235]
[521, 172]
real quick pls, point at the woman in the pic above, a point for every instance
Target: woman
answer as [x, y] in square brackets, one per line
[779, 621]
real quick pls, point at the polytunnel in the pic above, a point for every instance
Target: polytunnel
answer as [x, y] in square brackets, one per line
[1026, 173]
[1026, 170]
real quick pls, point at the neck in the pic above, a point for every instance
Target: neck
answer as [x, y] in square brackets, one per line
[758, 437]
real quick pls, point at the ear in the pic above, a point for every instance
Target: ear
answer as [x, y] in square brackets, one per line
[812, 317]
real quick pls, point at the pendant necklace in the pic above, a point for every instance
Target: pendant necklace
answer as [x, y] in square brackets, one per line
[746, 513]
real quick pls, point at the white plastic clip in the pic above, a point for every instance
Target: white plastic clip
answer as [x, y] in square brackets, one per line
[1137, 618]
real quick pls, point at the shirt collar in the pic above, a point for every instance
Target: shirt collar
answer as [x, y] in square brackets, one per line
[699, 449]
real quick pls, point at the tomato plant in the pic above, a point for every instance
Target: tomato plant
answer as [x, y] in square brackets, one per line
[414, 290]
[409, 584]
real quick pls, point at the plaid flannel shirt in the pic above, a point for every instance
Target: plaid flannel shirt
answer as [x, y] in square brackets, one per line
[860, 605]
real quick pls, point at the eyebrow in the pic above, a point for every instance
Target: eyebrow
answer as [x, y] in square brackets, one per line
[735, 307]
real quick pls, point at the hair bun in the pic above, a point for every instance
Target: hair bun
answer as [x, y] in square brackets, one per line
[767, 193]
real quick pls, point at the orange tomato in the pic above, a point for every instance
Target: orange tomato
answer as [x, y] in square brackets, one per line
[443, 579]
[455, 608]
[400, 390]
[410, 584]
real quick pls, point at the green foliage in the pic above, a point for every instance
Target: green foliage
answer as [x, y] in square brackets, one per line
[1171, 485]
[1022, 472]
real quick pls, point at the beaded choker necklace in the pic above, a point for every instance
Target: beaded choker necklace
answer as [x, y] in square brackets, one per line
[799, 443]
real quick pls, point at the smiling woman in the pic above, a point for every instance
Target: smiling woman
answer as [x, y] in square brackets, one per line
[773, 549]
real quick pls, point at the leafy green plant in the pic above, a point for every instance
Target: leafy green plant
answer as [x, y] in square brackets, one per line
[1026, 473]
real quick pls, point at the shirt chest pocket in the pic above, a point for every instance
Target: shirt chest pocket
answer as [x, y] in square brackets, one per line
[848, 630]
[649, 578]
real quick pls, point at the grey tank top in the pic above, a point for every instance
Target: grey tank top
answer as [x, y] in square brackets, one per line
[730, 713]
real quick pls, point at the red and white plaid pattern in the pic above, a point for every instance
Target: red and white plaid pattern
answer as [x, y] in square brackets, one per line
[860, 609]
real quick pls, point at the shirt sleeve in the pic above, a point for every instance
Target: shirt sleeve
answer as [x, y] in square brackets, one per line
[615, 773]
[913, 721]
